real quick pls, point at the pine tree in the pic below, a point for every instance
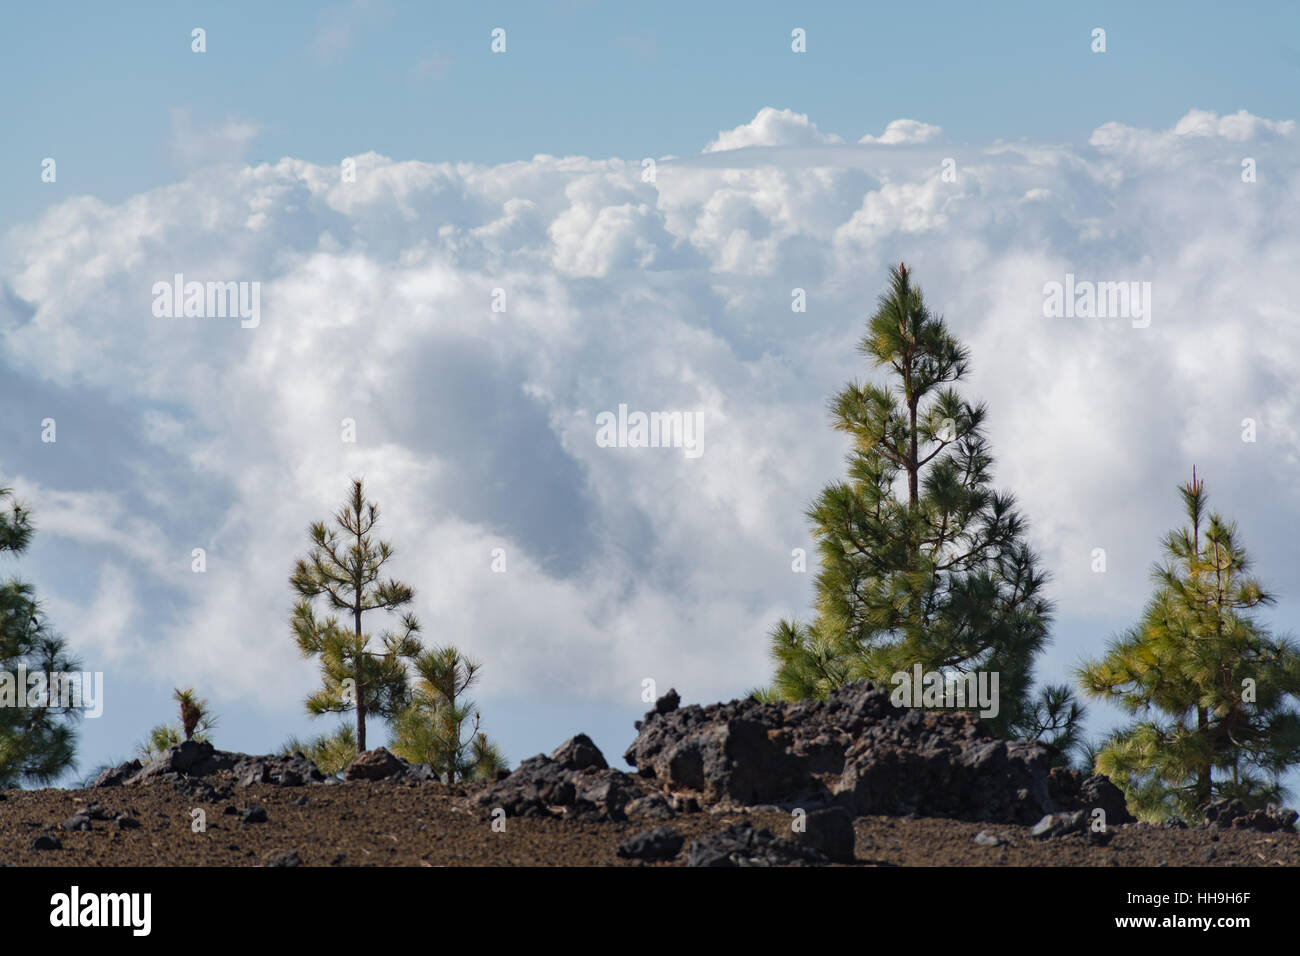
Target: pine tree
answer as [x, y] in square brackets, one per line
[331, 753]
[432, 728]
[197, 723]
[1216, 691]
[921, 561]
[343, 567]
[37, 743]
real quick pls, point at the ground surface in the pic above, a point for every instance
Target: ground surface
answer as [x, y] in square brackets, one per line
[386, 824]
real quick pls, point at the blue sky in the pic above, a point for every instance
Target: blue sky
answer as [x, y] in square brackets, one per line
[416, 80]
[522, 171]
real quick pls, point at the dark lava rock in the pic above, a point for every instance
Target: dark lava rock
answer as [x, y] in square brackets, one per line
[653, 806]
[830, 832]
[742, 845]
[662, 843]
[668, 702]
[1235, 814]
[190, 758]
[254, 815]
[854, 749]
[125, 822]
[377, 764]
[420, 772]
[46, 841]
[78, 821]
[185, 765]
[284, 770]
[541, 786]
[116, 776]
[1059, 824]
[283, 859]
[579, 753]
[1073, 791]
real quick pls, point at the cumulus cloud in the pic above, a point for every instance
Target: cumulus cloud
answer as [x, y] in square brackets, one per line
[476, 425]
[772, 127]
[906, 131]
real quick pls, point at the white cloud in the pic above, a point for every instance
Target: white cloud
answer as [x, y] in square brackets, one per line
[476, 428]
[772, 127]
[906, 131]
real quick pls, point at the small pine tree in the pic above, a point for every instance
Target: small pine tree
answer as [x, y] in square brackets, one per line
[344, 570]
[921, 560]
[37, 736]
[432, 728]
[196, 720]
[197, 723]
[1217, 691]
[331, 753]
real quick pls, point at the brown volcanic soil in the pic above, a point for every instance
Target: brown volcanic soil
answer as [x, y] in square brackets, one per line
[387, 824]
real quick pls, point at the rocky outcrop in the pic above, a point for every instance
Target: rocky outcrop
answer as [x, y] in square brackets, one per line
[579, 753]
[185, 765]
[575, 782]
[1073, 790]
[1234, 814]
[291, 770]
[858, 751]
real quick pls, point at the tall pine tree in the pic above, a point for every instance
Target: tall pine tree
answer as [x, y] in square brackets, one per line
[343, 568]
[1217, 693]
[921, 560]
[37, 735]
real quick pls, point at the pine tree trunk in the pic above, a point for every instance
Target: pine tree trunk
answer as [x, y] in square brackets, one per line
[1203, 786]
[361, 691]
[358, 585]
[913, 469]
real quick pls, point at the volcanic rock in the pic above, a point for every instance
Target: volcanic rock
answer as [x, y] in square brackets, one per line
[662, 843]
[579, 753]
[186, 765]
[830, 832]
[854, 749]
[653, 806]
[377, 764]
[1074, 791]
[1233, 813]
[291, 770]
[742, 845]
[1059, 824]
[542, 787]
[116, 776]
